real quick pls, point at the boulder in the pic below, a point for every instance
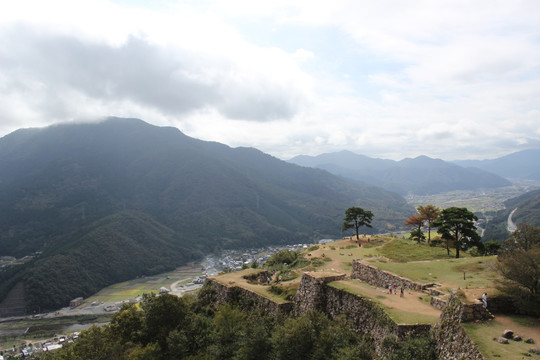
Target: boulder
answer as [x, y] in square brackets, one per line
[508, 334]
[502, 340]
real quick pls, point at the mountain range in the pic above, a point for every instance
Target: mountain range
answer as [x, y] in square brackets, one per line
[520, 165]
[98, 203]
[423, 175]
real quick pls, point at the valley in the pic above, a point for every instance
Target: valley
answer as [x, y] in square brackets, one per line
[478, 201]
[99, 308]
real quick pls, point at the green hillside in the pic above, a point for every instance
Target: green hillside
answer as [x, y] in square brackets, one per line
[153, 197]
[528, 212]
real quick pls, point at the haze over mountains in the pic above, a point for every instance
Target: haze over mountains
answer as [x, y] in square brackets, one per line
[520, 165]
[105, 202]
[423, 175]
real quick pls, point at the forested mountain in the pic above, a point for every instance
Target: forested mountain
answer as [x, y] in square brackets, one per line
[103, 202]
[421, 175]
[520, 165]
[528, 212]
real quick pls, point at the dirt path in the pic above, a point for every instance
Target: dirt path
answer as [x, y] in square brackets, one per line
[409, 303]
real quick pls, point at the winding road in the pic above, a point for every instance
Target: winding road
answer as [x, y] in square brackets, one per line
[511, 226]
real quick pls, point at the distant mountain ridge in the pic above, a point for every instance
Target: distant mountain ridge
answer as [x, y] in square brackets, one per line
[520, 165]
[107, 201]
[421, 175]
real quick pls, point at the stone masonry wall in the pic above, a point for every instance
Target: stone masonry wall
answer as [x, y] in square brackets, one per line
[474, 312]
[247, 298]
[376, 277]
[452, 342]
[365, 316]
[437, 302]
[380, 278]
[311, 295]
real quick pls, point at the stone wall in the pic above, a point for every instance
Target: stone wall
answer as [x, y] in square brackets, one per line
[247, 298]
[376, 277]
[452, 342]
[437, 302]
[475, 312]
[316, 294]
[365, 315]
[311, 295]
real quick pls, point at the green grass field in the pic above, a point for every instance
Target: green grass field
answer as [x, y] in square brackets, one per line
[403, 250]
[483, 333]
[464, 273]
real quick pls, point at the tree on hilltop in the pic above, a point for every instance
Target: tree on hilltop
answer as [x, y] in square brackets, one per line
[356, 217]
[429, 214]
[457, 225]
[415, 222]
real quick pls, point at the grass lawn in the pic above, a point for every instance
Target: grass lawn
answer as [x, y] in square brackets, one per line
[236, 278]
[483, 333]
[404, 250]
[479, 273]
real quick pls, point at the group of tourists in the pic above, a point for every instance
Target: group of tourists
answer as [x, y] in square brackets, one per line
[393, 288]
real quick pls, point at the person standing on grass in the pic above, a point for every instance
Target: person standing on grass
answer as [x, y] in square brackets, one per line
[484, 299]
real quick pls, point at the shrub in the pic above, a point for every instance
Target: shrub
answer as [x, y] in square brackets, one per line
[282, 257]
[435, 242]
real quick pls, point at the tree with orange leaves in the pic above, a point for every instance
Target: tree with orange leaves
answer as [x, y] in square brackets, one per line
[429, 214]
[415, 222]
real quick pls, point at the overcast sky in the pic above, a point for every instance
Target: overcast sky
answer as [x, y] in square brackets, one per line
[389, 79]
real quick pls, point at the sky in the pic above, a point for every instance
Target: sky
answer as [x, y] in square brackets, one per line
[387, 79]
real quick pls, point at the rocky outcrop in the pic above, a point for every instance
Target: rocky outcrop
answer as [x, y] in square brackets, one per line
[452, 342]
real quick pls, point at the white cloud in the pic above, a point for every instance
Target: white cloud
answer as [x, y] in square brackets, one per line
[386, 79]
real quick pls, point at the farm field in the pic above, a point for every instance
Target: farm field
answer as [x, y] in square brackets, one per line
[35, 330]
[136, 287]
[67, 320]
[477, 201]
